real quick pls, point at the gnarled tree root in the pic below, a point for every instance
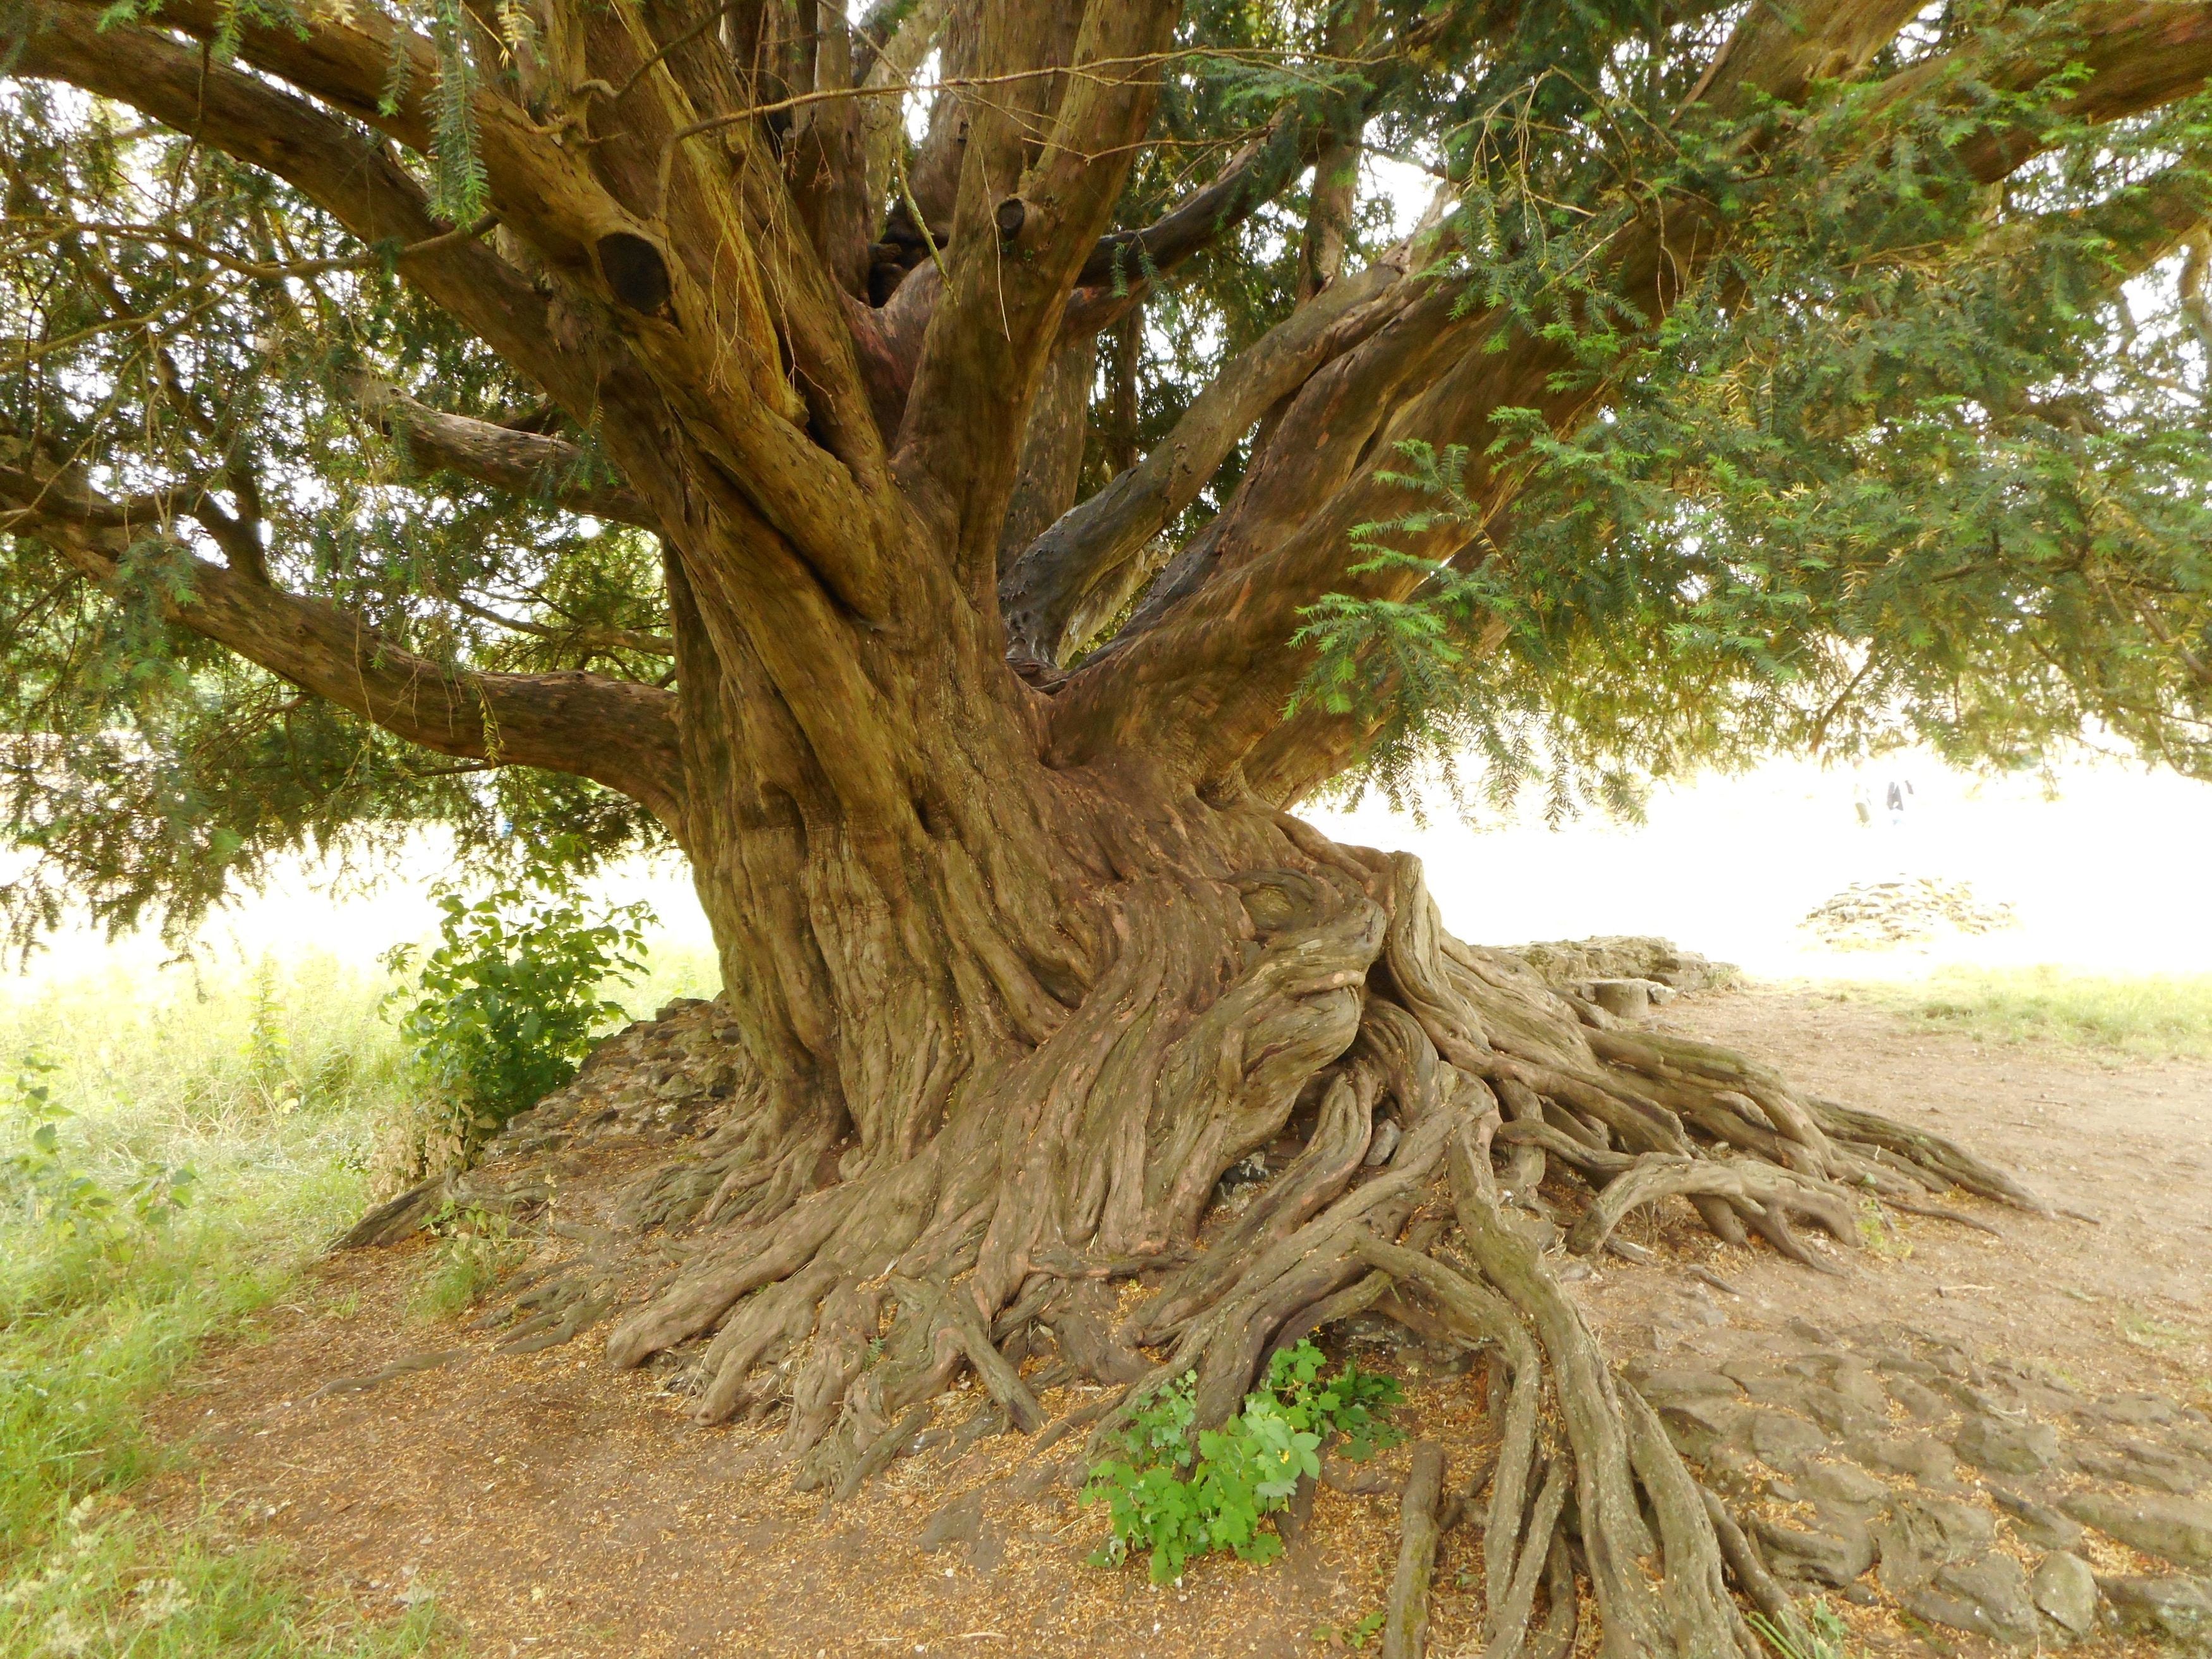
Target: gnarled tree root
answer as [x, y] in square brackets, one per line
[1403, 1097]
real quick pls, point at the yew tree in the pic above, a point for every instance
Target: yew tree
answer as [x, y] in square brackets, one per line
[963, 473]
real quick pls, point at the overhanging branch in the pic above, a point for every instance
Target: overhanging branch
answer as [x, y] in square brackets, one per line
[614, 731]
[542, 469]
[1208, 670]
[1085, 561]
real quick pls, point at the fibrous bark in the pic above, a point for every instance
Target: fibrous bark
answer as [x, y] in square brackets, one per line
[1244, 988]
[1019, 962]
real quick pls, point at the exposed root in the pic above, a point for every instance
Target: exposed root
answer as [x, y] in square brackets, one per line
[1406, 1618]
[383, 1374]
[1404, 1113]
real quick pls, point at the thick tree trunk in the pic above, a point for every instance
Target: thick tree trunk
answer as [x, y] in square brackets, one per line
[980, 1073]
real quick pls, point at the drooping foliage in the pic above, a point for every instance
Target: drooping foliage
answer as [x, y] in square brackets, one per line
[1911, 458]
[1894, 444]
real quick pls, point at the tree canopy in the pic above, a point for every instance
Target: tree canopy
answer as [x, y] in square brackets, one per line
[1826, 375]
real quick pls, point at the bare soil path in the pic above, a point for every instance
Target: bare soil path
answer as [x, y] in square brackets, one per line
[556, 1509]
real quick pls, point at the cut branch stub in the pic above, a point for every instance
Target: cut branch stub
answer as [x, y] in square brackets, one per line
[635, 273]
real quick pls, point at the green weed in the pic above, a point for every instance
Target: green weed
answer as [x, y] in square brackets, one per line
[2159, 1014]
[1828, 1636]
[1177, 1500]
[474, 1255]
[1357, 1634]
[1879, 1234]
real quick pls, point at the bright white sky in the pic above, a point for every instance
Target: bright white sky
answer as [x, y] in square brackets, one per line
[2112, 875]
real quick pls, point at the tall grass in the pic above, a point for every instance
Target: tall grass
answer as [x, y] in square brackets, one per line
[2159, 1015]
[277, 1085]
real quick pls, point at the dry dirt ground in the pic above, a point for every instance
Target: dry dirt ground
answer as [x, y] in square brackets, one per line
[553, 1508]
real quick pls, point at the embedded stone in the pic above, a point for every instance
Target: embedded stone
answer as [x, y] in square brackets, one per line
[1921, 1535]
[2064, 1587]
[1920, 1400]
[1784, 1442]
[1696, 1427]
[1763, 1380]
[1836, 1550]
[2132, 1410]
[1896, 1362]
[2178, 1607]
[1861, 1387]
[1660, 1386]
[2177, 1530]
[1836, 1410]
[1844, 1485]
[2005, 1447]
[1922, 1457]
[2037, 1523]
[956, 1522]
[2139, 1463]
[1987, 1594]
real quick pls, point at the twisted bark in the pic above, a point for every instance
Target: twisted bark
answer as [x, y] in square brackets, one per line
[1248, 988]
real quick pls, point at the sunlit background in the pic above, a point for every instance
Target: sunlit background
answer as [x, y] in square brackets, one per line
[2107, 866]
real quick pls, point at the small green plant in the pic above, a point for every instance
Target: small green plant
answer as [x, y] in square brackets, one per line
[1352, 1636]
[505, 1005]
[1826, 1636]
[474, 1253]
[52, 1192]
[1879, 1234]
[1178, 1500]
[267, 1051]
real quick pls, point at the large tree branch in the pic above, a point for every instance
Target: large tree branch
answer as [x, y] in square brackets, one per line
[1021, 231]
[348, 177]
[1779, 50]
[615, 732]
[1087, 562]
[1210, 671]
[1295, 137]
[526, 463]
[674, 269]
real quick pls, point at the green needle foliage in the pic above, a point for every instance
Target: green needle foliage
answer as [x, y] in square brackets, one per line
[1178, 1497]
[1881, 453]
[1909, 460]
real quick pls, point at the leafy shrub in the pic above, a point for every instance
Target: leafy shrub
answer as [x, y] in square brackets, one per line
[53, 1192]
[1177, 1501]
[508, 1003]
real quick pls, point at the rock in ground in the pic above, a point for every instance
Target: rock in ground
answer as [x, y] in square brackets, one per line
[2003, 1447]
[1835, 1551]
[2064, 1587]
[2176, 1530]
[1987, 1594]
[2178, 1608]
[1921, 1535]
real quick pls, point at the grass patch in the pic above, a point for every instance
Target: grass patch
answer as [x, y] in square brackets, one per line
[278, 1087]
[273, 1087]
[2153, 1015]
[474, 1255]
